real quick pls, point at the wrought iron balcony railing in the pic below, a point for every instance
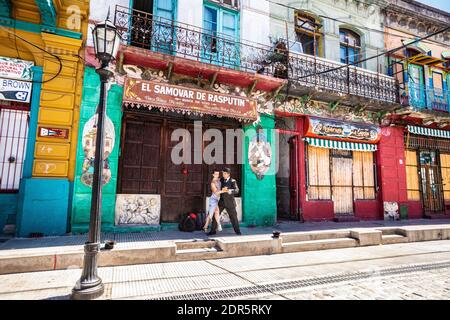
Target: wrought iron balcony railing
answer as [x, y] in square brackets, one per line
[143, 30]
[430, 99]
[437, 99]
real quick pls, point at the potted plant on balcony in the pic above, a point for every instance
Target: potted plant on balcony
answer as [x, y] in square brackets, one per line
[278, 58]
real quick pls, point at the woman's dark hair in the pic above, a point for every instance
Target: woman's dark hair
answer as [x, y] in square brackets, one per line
[215, 170]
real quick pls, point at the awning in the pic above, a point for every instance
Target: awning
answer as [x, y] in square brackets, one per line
[341, 145]
[424, 59]
[429, 132]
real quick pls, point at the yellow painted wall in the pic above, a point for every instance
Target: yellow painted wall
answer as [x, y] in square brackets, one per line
[60, 97]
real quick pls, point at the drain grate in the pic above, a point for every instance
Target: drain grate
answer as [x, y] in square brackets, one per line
[302, 283]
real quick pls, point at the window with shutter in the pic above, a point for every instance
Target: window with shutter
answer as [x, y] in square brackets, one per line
[220, 42]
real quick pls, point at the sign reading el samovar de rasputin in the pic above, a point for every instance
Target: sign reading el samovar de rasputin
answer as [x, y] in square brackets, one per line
[173, 97]
[341, 130]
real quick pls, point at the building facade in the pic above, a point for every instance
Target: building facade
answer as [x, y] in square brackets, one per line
[41, 74]
[421, 127]
[331, 116]
[316, 122]
[181, 65]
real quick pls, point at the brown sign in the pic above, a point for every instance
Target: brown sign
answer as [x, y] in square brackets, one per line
[170, 97]
[339, 130]
[46, 132]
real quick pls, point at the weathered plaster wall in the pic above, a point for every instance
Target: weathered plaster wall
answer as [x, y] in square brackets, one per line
[352, 13]
[255, 26]
[259, 196]
[394, 40]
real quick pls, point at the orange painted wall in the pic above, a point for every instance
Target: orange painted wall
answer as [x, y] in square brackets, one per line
[395, 40]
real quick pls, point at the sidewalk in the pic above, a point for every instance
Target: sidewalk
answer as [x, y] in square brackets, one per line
[52, 253]
[157, 236]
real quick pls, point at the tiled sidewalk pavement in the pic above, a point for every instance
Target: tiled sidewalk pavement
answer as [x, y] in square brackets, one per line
[320, 270]
[125, 240]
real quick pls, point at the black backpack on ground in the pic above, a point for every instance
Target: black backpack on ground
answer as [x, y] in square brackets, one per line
[188, 222]
[200, 221]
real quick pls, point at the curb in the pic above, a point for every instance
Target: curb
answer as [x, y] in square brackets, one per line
[32, 260]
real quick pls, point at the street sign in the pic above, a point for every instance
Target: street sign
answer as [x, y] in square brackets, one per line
[15, 90]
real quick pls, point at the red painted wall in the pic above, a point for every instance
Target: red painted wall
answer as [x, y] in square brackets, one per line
[318, 210]
[324, 210]
[368, 210]
[447, 205]
[311, 210]
[391, 164]
[392, 170]
[415, 210]
[391, 174]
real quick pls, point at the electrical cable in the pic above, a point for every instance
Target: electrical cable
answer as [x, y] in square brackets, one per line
[15, 40]
[376, 56]
[347, 23]
[32, 44]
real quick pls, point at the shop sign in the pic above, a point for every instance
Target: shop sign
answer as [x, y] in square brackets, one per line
[16, 69]
[339, 130]
[46, 132]
[174, 98]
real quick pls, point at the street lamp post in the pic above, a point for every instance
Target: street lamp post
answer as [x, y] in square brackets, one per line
[90, 286]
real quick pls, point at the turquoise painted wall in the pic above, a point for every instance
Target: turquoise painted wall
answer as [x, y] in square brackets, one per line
[259, 204]
[81, 202]
[8, 208]
[43, 207]
[5, 8]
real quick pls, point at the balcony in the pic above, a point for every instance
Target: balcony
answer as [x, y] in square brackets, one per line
[437, 99]
[428, 99]
[170, 38]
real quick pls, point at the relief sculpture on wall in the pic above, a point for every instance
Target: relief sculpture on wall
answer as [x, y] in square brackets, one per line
[138, 209]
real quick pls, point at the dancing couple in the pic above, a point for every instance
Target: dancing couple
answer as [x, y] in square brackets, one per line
[223, 190]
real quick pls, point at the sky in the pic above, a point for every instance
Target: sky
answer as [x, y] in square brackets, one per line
[441, 4]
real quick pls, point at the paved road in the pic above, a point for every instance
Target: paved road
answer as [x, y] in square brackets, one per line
[418, 270]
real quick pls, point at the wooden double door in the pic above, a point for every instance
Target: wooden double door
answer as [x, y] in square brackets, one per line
[147, 166]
